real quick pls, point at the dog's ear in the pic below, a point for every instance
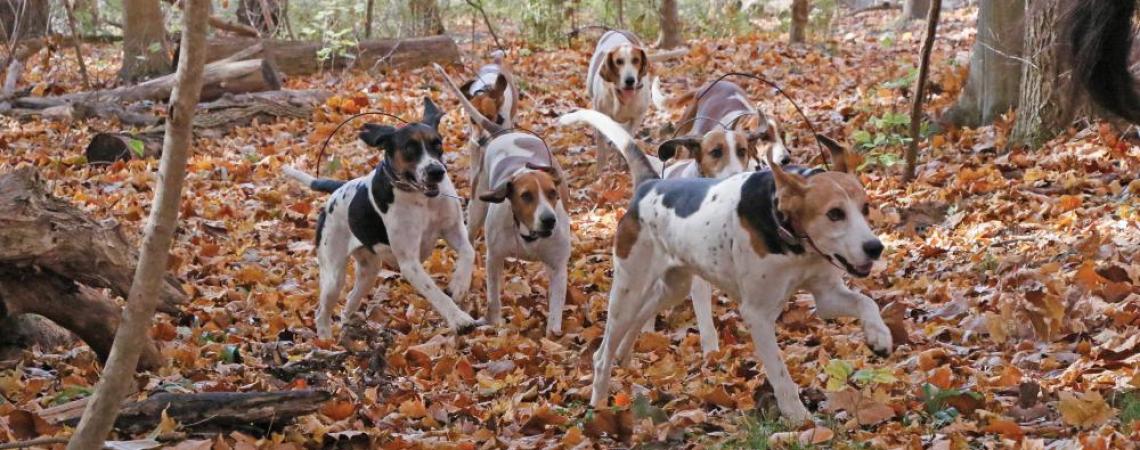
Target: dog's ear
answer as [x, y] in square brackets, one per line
[838, 154]
[432, 113]
[609, 71]
[376, 135]
[766, 131]
[466, 89]
[549, 170]
[497, 195]
[669, 149]
[643, 70]
[500, 87]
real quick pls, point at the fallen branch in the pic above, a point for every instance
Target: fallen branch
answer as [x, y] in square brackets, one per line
[38, 442]
[305, 57]
[486, 20]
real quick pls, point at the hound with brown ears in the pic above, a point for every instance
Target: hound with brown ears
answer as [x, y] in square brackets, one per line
[617, 81]
[494, 94]
[757, 236]
[392, 217]
[518, 198]
[724, 104]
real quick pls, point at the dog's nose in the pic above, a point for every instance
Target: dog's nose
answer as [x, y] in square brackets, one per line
[548, 220]
[873, 248]
[787, 159]
[435, 173]
[629, 81]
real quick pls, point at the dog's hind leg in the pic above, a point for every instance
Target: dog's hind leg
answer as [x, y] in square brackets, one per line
[702, 308]
[332, 255]
[476, 215]
[665, 294]
[626, 294]
[367, 269]
[494, 285]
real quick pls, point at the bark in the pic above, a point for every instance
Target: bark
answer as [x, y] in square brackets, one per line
[261, 15]
[995, 65]
[670, 36]
[915, 9]
[24, 19]
[77, 43]
[204, 411]
[144, 41]
[117, 380]
[800, 11]
[368, 19]
[1041, 110]
[933, 11]
[301, 57]
[425, 18]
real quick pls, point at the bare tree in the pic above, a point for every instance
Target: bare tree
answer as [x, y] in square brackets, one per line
[117, 380]
[1041, 109]
[935, 7]
[915, 9]
[144, 41]
[800, 11]
[426, 19]
[995, 65]
[670, 36]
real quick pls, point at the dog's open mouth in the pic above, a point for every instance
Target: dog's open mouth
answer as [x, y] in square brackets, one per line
[431, 190]
[860, 271]
[536, 235]
[627, 94]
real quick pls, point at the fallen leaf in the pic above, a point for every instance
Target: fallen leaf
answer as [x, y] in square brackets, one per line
[1086, 410]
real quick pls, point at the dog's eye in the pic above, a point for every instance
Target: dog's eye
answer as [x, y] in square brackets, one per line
[527, 197]
[836, 214]
[866, 209]
[552, 194]
[716, 152]
[740, 152]
[620, 61]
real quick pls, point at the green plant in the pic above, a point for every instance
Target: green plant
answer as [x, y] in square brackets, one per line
[840, 373]
[936, 403]
[1130, 409]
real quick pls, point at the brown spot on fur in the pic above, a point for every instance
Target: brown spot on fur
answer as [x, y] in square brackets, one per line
[628, 229]
[535, 185]
[754, 239]
[487, 105]
[709, 163]
[609, 70]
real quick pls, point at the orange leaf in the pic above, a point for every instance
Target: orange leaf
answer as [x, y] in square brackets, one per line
[338, 409]
[942, 377]
[621, 400]
[1007, 428]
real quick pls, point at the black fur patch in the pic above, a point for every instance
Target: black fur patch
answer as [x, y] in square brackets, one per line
[326, 185]
[320, 227]
[756, 209]
[363, 220]
[684, 195]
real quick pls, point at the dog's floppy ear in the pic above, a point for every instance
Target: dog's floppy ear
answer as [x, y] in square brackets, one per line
[376, 135]
[432, 113]
[466, 88]
[669, 149]
[766, 131]
[838, 154]
[788, 185]
[497, 195]
[549, 170]
[644, 69]
[609, 70]
[500, 87]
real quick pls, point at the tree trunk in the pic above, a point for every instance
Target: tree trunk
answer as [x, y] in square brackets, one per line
[670, 36]
[24, 19]
[800, 10]
[117, 380]
[368, 19]
[1041, 110]
[263, 15]
[426, 19]
[301, 57]
[144, 41]
[915, 9]
[995, 65]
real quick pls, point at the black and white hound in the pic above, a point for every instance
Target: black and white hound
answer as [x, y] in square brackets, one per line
[757, 236]
[393, 217]
[518, 199]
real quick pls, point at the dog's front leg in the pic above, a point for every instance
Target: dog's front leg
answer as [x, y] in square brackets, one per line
[760, 313]
[458, 240]
[494, 285]
[559, 275]
[833, 299]
[413, 271]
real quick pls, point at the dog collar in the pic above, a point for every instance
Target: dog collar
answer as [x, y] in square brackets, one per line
[790, 234]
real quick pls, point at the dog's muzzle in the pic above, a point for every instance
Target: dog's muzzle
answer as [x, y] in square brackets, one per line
[860, 271]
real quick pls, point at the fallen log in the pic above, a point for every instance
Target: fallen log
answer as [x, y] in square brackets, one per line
[50, 251]
[255, 411]
[106, 148]
[304, 57]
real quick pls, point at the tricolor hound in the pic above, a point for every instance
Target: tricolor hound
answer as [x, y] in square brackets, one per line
[757, 236]
[617, 84]
[393, 217]
[724, 104]
[494, 94]
[518, 197]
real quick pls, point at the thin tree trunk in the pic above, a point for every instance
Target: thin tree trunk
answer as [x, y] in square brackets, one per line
[800, 10]
[670, 36]
[620, 13]
[368, 20]
[67, 6]
[117, 380]
[915, 9]
[425, 18]
[1041, 111]
[995, 65]
[144, 41]
[935, 8]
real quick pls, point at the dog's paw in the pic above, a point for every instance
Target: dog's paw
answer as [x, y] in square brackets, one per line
[468, 327]
[879, 338]
[796, 415]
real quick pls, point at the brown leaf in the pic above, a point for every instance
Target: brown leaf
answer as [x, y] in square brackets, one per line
[1086, 410]
[866, 410]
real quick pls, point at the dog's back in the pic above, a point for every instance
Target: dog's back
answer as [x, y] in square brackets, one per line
[711, 106]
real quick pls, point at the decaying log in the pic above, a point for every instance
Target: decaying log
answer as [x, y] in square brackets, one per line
[302, 57]
[111, 147]
[48, 249]
[204, 411]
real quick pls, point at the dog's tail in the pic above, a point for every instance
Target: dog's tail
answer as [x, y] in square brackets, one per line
[485, 123]
[1099, 38]
[668, 54]
[317, 184]
[639, 163]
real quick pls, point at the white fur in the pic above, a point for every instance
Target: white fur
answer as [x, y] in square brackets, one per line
[604, 95]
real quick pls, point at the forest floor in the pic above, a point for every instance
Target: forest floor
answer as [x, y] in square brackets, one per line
[1010, 279]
